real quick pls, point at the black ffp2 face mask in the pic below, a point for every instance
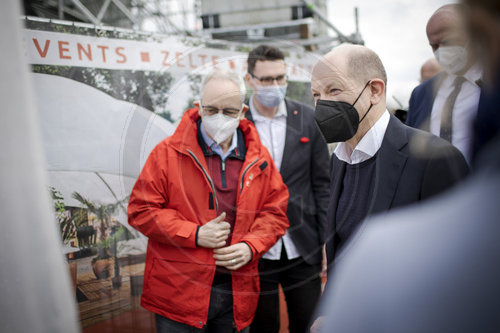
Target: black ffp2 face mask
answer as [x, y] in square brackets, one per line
[338, 121]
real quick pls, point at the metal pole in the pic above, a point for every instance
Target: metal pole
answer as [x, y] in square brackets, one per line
[86, 12]
[310, 5]
[60, 9]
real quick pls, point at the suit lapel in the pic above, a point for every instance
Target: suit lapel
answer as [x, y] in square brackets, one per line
[389, 166]
[293, 132]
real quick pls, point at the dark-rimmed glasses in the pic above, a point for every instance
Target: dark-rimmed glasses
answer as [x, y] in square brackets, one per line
[268, 80]
[211, 110]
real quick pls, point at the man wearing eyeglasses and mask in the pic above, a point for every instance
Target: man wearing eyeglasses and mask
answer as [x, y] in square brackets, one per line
[379, 163]
[211, 202]
[288, 130]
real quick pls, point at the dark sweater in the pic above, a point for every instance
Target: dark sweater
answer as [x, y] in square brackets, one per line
[354, 199]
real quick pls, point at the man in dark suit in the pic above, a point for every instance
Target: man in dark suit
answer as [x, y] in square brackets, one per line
[379, 162]
[446, 105]
[288, 130]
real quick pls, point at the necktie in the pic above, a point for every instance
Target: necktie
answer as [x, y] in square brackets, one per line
[447, 114]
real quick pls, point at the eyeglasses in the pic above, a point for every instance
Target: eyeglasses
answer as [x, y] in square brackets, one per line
[230, 112]
[268, 80]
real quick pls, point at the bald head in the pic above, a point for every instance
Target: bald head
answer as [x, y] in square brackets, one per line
[446, 27]
[352, 74]
[354, 65]
[430, 68]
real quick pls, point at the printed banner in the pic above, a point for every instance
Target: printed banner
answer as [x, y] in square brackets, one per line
[170, 54]
[105, 99]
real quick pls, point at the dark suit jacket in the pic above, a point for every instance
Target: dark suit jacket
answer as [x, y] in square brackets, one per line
[304, 170]
[421, 101]
[410, 166]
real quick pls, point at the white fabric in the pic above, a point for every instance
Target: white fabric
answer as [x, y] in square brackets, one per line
[272, 133]
[215, 147]
[464, 111]
[369, 144]
[94, 144]
[34, 278]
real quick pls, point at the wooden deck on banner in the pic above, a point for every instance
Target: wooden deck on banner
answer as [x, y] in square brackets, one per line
[104, 302]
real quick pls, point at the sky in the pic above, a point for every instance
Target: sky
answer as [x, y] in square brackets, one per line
[395, 30]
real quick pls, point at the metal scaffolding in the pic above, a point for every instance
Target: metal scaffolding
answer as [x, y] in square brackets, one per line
[302, 22]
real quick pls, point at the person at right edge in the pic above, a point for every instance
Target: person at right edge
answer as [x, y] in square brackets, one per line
[433, 267]
[446, 104]
[379, 163]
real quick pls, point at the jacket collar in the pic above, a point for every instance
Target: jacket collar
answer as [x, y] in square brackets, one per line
[185, 136]
[294, 130]
[238, 151]
[389, 166]
[390, 162]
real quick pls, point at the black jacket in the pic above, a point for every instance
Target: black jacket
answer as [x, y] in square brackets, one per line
[411, 165]
[304, 170]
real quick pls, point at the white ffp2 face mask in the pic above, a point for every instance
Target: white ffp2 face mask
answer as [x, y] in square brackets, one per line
[453, 59]
[219, 126]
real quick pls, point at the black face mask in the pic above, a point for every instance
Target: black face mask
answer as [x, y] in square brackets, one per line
[338, 121]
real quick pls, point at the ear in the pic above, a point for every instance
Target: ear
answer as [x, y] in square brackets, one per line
[197, 104]
[377, 90]
[245, 109]
[248, 79]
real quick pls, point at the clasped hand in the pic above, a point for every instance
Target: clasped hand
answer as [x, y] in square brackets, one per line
[214, 234]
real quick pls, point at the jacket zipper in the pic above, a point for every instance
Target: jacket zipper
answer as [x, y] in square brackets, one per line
[244, 172]
[223, 172]
[207, 176]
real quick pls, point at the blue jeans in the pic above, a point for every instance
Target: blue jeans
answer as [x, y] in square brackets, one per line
[220, 314]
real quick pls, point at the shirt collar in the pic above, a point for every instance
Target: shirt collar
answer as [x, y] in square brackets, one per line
[256, 116]
[369, 144]
[473, 75]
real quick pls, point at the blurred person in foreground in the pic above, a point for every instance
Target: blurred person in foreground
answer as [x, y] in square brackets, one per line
[379, 163]
[288, 130]
[211, 202]
[437, 270]
[446, 104]
[483, 22]
[429, 69]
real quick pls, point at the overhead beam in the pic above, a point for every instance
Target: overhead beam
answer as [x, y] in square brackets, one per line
[86, 12]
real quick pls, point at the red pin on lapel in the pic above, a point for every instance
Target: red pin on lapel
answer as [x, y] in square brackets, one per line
[304, 139]
[295, 112]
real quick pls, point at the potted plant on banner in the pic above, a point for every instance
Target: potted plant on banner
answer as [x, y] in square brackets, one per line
[103, 261]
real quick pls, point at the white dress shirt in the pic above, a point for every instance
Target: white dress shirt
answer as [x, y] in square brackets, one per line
[272, 133]
[369, 144]
[464, 110]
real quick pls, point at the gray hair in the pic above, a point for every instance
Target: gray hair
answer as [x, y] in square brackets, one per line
[224, 74]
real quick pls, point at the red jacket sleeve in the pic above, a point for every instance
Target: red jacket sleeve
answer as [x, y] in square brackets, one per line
[147, 210]
[271, 222]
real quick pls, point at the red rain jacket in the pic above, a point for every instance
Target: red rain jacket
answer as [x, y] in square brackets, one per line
[171, 198]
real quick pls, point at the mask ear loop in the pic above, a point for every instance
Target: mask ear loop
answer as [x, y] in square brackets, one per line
[361, 93]
[366, 113]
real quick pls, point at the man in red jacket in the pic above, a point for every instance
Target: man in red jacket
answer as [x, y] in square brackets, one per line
[211, 202]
